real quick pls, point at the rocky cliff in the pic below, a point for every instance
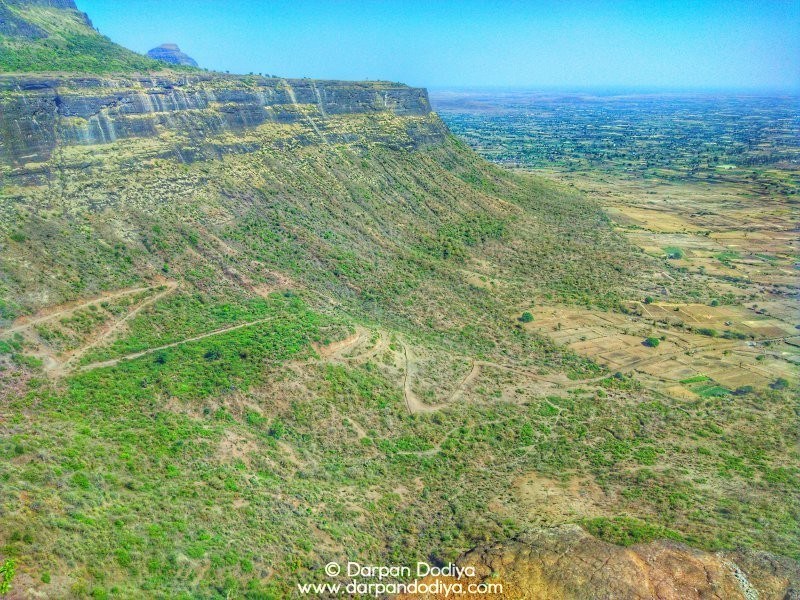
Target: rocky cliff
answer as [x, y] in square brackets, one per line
[118, 95]
[39, 112]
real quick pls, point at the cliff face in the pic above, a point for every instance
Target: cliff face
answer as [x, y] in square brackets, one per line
[117, 95]
[65, 4]
[37, 113]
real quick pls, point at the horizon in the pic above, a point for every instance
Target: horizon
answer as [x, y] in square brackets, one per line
[621, 91]
[630, 46]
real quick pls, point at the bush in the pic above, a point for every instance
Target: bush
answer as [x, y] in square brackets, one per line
[212, 354]
[277, 429]
[779, 384]
[651, 342]
[526, 317]
[7, 571]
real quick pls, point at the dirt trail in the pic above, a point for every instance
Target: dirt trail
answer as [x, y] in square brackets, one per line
[25, 323]
[473, 374]
[336, 349]
[413, 403]
[114, 327]
[559, 381]
[57, 364]
[380, 346]
[360, 432]
[116, 361]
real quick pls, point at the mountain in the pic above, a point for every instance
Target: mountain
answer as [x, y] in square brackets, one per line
[170, 53]
[249, 326]
[53, 35]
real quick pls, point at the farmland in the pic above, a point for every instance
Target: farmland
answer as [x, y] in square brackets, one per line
[708, 185]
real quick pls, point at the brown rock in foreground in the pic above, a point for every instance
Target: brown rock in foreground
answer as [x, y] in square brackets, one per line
[568, 563]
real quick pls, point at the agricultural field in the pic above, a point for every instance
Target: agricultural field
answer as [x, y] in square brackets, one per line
[707, 185]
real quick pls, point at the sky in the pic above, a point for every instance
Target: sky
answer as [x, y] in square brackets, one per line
[544, 44]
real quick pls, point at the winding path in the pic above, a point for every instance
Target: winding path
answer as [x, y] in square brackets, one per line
[28, 322]
[77, 354]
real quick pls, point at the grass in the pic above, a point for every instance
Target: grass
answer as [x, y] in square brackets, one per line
[711, 390]
[727, 257]
[180, 316]
[204, 455]
[238, 464]
[627, 531]
[72, 52]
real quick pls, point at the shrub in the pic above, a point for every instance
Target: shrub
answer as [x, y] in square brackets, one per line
[277, 429]
[651, 342]
[212, 354]
[7, 571]
[526, 317]
[779, 384]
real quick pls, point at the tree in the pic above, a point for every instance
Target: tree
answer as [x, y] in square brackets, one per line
[651, 342]
[7, 571]
[779, 384]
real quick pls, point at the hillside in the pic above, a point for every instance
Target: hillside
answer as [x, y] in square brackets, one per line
[53, 35]
[252, 325]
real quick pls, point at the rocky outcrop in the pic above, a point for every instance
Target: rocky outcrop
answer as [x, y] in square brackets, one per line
[568, 563]
[171, 53]
[39, 112]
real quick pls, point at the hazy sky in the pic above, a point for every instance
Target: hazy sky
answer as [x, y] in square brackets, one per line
[441, 43]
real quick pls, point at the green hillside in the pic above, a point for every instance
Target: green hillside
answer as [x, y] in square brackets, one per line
[40, 36]
[249, 326]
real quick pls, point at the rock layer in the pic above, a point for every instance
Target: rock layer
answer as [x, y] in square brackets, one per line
[39, 112]
[568, 563]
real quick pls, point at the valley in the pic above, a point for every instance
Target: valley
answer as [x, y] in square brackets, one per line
[250, 325]
[709, 200]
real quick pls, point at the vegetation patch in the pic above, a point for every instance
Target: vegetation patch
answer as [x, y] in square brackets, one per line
[627, 531]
